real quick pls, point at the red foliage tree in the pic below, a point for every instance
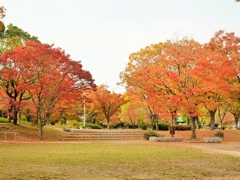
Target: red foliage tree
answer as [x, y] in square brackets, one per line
[47, 75]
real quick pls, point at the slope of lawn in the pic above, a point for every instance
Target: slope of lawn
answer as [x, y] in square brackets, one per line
[29, 132]
[113, 160]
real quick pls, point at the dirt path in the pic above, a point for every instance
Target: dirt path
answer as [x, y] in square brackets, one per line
[222, 148]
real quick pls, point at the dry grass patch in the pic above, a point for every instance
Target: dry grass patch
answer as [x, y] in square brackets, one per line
[113, 160]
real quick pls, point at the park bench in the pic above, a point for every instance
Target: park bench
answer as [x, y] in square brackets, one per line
[165, 139]
[212, 139]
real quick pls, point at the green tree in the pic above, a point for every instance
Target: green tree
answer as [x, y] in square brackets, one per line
[14, 36]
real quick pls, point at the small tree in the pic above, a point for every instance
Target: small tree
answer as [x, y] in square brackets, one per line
[108, 103]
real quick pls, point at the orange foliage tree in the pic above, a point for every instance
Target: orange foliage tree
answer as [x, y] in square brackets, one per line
[108, 103]
[134, 112]
[228, 45]
[179, 76]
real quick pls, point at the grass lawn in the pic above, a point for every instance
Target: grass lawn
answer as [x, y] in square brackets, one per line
[113, 160]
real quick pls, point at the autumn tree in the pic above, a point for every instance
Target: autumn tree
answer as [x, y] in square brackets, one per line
[50, 75]
[11, 80]
[91, 107]
[180, 76]
[135, 72]
[134, 112]
[228, 45]
[108, 103]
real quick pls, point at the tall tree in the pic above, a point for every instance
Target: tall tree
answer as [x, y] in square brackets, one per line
[180, 76]
[228, 45]
[50, 74]
[10, 76]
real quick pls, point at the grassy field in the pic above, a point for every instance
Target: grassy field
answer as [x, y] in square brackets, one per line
[113, 160]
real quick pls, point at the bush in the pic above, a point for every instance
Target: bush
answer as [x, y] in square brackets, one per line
[183, 127]
[144, 126]
[161, 126]
[150, 133]
[219, 134]
[93, 126]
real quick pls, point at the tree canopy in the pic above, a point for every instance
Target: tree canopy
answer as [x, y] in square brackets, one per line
[185, 75]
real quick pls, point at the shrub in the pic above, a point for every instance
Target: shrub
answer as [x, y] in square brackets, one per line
[3, 120]
[219, 134]
[182, 127]
[93, 126]
[144, 126]
[161, 126]
[150, 133]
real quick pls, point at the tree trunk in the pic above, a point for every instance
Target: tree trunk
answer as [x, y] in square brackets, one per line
[9, 118]
[155, 120]
[236, 117]
[39, 121]
[212, 118]
[197, 124]
[15, 117]
[193, 127]
[108, 122]
[221, 117]
[40, 131]
[156, 124]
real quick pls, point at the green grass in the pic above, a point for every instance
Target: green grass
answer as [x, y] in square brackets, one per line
[112, 160]
[3, 120]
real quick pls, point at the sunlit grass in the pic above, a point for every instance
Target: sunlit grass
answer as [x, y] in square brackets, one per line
[112, 160]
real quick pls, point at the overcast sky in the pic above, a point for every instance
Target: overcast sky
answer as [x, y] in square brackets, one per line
[103, 33]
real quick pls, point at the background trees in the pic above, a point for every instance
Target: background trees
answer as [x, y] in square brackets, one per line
[108, 103]
[134, 112]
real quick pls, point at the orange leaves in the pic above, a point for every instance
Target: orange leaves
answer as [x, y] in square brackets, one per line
[185, 75]
[108, 102]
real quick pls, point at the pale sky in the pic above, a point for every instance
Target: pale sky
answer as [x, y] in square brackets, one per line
[103, 33]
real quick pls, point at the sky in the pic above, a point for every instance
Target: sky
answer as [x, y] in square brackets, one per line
[103, 33]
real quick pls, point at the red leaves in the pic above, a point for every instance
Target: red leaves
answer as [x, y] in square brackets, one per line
[44, 73]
